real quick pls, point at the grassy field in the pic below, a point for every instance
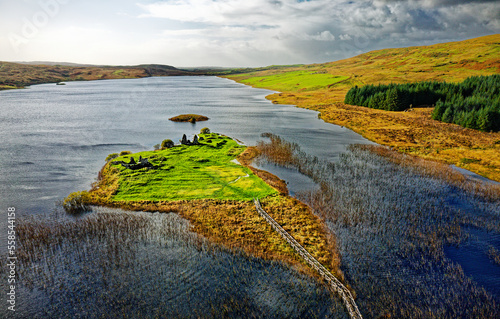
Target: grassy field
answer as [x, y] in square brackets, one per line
[409, 132]
[189, 172]
[296, 81]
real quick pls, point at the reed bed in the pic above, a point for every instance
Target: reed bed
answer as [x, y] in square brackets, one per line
[118, 264]
[488, 191]
[392, 220]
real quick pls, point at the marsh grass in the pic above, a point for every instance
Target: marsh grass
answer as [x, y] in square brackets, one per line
[391, 221]
[237, 225]
[494, 255]
[114, 263]
[488, 191]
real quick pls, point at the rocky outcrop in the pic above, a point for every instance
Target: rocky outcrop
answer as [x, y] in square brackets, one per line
[185, 141]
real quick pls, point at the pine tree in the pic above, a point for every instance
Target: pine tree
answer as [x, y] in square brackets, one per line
[391, 100]
[448, 115]
[437, 113]
[474, 103]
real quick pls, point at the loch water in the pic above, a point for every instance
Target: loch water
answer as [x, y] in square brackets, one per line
[54, 140]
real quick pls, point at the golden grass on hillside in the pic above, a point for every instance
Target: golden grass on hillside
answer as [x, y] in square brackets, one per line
[411, 132]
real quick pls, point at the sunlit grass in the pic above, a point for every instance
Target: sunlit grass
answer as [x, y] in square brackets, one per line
[189, 172]
[7, 87]
[295, 81]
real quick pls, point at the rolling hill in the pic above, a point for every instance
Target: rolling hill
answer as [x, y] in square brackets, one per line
[322, 87]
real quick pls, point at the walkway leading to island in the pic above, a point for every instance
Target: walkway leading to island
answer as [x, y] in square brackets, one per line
[334, 283]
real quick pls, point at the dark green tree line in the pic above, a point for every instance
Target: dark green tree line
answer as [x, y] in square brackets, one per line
[473, 103]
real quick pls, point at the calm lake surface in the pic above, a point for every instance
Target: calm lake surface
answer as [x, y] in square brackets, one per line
[55, 138]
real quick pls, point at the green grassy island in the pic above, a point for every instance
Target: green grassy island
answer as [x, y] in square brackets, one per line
[206, 170]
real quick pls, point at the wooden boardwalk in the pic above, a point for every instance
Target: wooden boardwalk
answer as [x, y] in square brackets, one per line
[333, 282]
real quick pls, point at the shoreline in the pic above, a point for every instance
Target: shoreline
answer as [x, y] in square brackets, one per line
[412, 133]
[277, 98]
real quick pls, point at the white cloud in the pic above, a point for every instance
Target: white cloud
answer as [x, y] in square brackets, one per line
[239, 32]
[321, 36]
[309, 29]
[231, 12]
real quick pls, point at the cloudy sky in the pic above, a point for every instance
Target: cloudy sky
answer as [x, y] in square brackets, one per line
[231, 32]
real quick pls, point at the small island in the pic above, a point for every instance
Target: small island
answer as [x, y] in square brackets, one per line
[193, 118]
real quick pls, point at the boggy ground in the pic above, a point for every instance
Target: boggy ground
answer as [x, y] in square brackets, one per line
[322, 87]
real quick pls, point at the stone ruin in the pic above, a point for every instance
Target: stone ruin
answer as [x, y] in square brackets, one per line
[141, 163]
[185, 141]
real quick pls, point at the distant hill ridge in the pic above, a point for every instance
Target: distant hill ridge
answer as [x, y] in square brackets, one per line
[57, 63]
[18, 75]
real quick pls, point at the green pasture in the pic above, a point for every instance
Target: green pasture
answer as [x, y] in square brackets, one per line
[190, 172]
[295, 80]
